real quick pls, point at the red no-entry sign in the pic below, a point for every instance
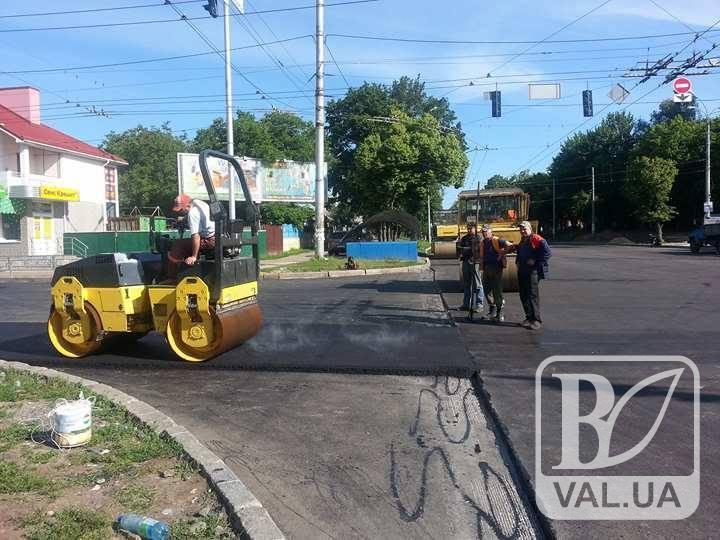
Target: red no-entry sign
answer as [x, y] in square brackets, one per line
[682, 85]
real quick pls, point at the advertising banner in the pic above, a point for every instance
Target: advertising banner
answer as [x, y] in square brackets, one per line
[286, 181]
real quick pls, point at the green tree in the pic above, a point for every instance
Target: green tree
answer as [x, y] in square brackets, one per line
[648, 190]
[394, 147]
[276, 213]
[277, 135]
[668, 109]
[607, 148]
[682, 141]
[151, 176]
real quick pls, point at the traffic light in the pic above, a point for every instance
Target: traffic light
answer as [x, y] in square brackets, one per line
[212, 7]
[587, 103]
[496, 100]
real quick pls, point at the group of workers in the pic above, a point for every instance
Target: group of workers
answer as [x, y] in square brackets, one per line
[483, 262]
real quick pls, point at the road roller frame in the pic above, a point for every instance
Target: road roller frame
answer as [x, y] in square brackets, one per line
[112, 298]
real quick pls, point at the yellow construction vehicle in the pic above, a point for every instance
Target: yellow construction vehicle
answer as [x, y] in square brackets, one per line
[501, 208]
[107, 298]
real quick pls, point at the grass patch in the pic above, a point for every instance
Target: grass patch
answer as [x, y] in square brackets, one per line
[423, 246]
[295, 251]
[136, 499]
[338, 263]
[185, 468]
[68, 524]
[16, 480]
[14, 434]
[18, 386]
[181, 530]
[41, 458]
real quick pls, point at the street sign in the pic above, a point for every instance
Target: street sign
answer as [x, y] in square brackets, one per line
[682, 85]
[682, 98]
[618, 93]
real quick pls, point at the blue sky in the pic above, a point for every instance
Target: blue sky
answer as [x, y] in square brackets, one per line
[189, 92]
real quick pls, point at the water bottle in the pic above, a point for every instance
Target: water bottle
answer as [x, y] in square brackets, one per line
[144, 527]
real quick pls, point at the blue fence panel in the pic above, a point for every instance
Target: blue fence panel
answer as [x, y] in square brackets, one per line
[402, 251]
[290, 231]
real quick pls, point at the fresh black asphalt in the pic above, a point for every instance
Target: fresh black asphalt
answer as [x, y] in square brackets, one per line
[613, 300]
[350, 415]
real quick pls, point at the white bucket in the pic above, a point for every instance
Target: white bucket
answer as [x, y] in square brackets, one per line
[72, 422]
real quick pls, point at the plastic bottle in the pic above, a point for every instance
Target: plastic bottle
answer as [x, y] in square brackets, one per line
[145, 527]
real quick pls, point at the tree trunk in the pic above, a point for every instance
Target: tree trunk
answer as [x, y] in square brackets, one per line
[659, 232]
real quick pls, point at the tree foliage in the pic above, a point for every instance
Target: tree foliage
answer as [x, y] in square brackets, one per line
[277, 135]
[277, 213]
[394, 146]
[150, 179]
[648, 191]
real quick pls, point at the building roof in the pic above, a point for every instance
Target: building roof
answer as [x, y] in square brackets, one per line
[20, 128]
[496, 192]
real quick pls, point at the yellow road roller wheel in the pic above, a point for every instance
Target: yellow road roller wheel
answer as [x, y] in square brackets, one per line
[187, 351]
[68, 339]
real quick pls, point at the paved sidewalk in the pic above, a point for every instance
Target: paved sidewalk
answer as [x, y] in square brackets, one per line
[284, 261]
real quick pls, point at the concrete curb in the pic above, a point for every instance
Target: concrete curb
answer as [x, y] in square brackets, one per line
[334, 274]
[247, 515]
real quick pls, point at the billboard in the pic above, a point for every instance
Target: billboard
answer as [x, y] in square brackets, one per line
[287, 181]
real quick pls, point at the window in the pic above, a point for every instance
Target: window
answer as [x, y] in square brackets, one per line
[44, 163]
[9, 227]
[110, 210]
[110, 186]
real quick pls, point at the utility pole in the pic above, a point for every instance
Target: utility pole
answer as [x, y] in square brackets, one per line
[708, 196]
[593, 202]
[429, 226]
[228, 109]
[553, 208]
[320, 129]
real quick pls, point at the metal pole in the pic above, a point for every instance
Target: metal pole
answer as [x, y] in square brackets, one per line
[708, 196]
[320, 129]
[429, 226]
[553, 208]
[228, 109]
[593, 202]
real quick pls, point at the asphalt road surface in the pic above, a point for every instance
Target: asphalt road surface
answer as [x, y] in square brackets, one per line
[351, 415]
[613, 300]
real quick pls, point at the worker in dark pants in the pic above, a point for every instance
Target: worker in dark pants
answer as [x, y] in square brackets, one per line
[532, 255]
[492, 262]
[470, 270]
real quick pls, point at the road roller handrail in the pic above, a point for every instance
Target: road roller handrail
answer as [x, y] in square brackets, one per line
[223, 225]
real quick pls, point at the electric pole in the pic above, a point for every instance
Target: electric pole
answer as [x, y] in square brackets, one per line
[320, 129]
[228, 109]
[553, 208]
[593, 202]
[429, 226]
[708, 196]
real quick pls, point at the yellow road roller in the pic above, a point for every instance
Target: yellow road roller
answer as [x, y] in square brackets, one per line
[213, 306]
[501, 208]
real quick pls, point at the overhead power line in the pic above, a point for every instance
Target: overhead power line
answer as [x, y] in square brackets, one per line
[553, 34]
[163, 21]
[509, 42]
[151, 60]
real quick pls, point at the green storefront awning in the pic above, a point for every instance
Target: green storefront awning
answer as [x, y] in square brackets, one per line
[6, 207]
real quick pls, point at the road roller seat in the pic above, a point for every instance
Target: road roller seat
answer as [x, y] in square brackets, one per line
[103, 270]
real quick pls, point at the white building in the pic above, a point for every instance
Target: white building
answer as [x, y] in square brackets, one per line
[50, 182]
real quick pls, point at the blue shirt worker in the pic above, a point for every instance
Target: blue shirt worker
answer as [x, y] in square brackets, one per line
[532, 255]
[470, 271]
[492, 262]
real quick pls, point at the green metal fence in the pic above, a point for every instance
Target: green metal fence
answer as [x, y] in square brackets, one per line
[128, 242]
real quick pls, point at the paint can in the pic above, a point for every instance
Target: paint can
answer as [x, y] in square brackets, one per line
[72, 422]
